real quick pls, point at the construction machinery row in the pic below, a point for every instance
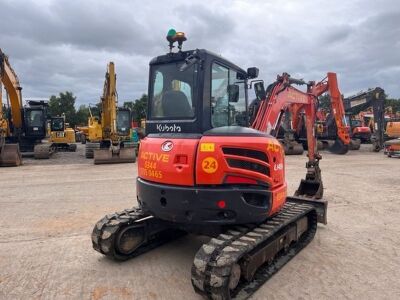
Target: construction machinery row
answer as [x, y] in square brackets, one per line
[23, 129]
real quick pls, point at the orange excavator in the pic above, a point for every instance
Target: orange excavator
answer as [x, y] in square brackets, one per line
[328, 84]
[203, 169]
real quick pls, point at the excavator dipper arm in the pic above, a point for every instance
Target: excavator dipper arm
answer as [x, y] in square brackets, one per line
[10, 154]
[279, 97]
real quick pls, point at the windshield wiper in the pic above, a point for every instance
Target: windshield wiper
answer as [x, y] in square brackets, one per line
[189, 61]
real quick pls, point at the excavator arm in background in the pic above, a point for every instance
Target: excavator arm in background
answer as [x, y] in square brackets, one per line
[10, 154]
[375, 99]
[11, 84]
[280, 97]
[109, 140]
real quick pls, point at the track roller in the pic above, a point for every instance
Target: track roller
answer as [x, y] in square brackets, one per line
[43, 151]
[129, 233]
[89, 149]
[236, 263]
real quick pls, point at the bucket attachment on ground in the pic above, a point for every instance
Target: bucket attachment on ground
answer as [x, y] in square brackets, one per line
[10, 156]
[293, 148]
[311, 186]
[107, 156]
[355, 144]
[339, 147]
[310, 189]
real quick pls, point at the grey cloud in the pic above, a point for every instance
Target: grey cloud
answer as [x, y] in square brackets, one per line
[65, 45]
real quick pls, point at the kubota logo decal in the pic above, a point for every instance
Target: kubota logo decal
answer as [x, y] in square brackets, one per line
[167, 146]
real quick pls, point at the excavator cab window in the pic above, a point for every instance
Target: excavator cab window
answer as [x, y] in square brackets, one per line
[57, 124]
[223, 111]
[172, 91]
[123, 121]
[35, 118]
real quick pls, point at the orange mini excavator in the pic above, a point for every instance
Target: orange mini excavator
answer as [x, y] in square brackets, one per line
[203, 169]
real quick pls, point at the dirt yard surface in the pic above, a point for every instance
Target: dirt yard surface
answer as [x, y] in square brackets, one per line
[48, 209]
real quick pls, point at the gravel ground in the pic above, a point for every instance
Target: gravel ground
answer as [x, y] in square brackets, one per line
[48, 209]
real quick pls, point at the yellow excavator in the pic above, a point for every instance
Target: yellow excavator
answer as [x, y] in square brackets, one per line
[22, 127]
[61, 135]
[109, 137]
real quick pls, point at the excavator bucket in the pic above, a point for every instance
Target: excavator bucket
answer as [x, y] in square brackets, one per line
[10, 156]
[293, 148]
[338, 147]
[310, 189]
[107, 156]
[355, 144]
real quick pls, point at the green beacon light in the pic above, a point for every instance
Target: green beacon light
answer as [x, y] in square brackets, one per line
[173, 36]
[170, 38]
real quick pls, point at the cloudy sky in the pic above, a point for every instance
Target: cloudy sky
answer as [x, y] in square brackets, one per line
[64, 45]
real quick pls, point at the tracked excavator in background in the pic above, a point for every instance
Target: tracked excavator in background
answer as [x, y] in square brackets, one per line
[25, 126]
[61, 136]
[203, 169]
[109, 138]
[294, 112]
[375, 99]
[332, 129]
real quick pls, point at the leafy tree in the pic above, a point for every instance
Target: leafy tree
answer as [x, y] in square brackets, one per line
[393, 103]
[324, 102]
[81, 115]
[138, 108]
[63, 103]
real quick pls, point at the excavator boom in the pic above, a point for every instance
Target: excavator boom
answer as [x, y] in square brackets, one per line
[10, 155]
[113, 144]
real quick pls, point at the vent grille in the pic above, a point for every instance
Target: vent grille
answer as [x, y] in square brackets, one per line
[246, 152]
[247, 165]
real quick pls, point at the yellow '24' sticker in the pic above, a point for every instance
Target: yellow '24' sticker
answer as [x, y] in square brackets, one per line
[209, 165]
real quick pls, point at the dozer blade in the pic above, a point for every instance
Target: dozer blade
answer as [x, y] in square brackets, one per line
[10, 156]
[310, 189]
[339, 147]
[106, 156]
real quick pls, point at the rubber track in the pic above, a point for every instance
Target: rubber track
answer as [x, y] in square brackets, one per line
[213, 262]
[43, 151]
[105, 232]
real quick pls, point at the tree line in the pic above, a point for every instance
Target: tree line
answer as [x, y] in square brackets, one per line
[64, 103]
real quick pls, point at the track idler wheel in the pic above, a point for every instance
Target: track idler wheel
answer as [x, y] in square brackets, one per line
[339, 147]
[129, 239]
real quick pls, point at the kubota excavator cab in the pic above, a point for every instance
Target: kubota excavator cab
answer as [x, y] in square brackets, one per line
[202, 169]
[197, 140]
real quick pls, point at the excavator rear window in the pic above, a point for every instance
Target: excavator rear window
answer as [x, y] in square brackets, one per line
[172, 91]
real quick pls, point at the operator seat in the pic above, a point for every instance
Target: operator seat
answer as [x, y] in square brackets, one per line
[175, 104]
